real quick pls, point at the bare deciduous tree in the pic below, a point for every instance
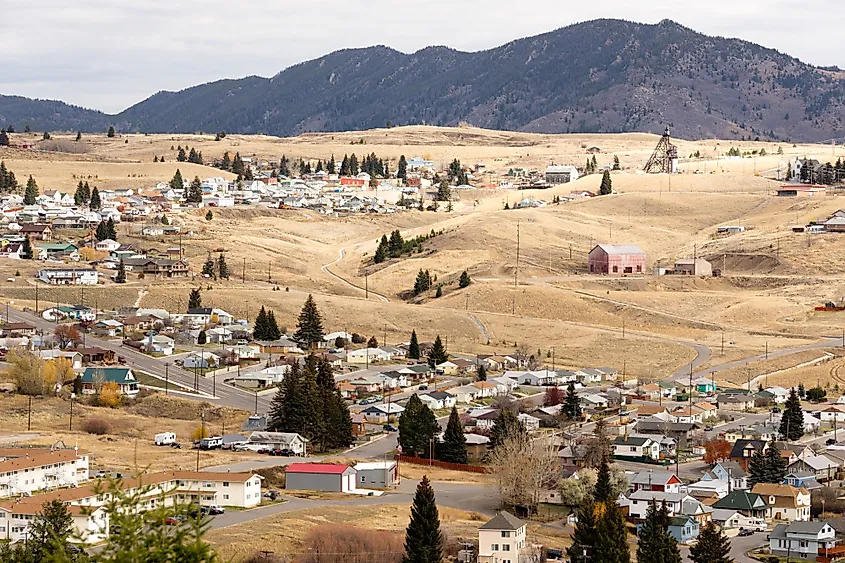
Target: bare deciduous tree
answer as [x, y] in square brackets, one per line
[523, 468]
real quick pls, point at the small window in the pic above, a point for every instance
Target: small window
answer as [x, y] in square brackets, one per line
[494, 547]
[506, 534]
[506, 547]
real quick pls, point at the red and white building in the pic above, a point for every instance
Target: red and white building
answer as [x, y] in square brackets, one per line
[616, 259]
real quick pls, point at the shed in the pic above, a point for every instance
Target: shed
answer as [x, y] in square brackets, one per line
[378, 474]
[328, 477]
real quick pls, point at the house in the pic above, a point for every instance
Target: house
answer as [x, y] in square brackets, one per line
[68, 276]
[94, 354]
[779, 394]
[743, 450]
[108, 327]
[785, 502]
[447, 368]
[802, 480]
[658, 480]
[616, 259]
[639, 501]
[477, 447]
[382, 413]
[656, 411]
[17, 329]
[464, 393]
[72, 357]
[93, 378]
[589, 376]
[650, 391]
[628, 447]
[594, 400]
[367, 356]
[729, 519]
[537, 378]
[686, 414]
[106, 245]
[201, 360]
[804, 540]
[708, 410]
[709, 488]
[328, 477]
[278, 441]
[683, 528]
[502, 539]
[693, 267]
[823, 467]
[735, 402]
[377, 474]
[37, 232]
[680, 432]
[729, 471]
[158, 344]
[486, 388]
[704, 385]
[72, 312]
[437, 400]
[530, 423]
[746, 503]
[560, 174]
[28, 471]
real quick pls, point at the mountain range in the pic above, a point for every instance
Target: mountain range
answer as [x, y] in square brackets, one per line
[604, 76]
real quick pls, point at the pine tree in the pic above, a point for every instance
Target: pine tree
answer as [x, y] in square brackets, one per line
[4, 138]
[208, 267]
[572, 404]
[655, 544]
[78, 136]
[776, 465]
[506, 425]
[180, 157]
[260, 329]
[292, 408]
[382, 250]
[238, 165]
[606, 187]
[309, 326]
[193, 156]
[437, 355]
[110, 134]
[482, 373]
[616, 165]
[712, 546]
[353, 165]
[453, 448]
[464, 280]
[202, 338]
[792, 418]
[423, 538]
[121, 273]
[79, 194]
[26, 252]
[414, 347]
[95, 202]
[226, 162]
[611, 534]
[209, 215]
[111, 229]
[439, 292]
[757, 468]
[584, 537]
[49, 532]
[31, 193]
[417, 428]
[273, 331]
[102, 232]
[222, 267]
[396, 244]
[801, 392]
[86, 191]
[195, 299]
[402, 168]
[177, 183]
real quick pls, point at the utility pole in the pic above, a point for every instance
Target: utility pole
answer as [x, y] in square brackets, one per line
[366, 286]
[29, 415]
[166, 378]
[70, 426]
[269, 279]
[243, 272]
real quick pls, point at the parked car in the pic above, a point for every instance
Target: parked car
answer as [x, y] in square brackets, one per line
[271, 494]
[287, 453]
[215, 510]
[390, 428]
[830, 441]
[745, 532]
[708, 428]
[173, 520]
[176, 446]
[263, 450]
[199, 512]
[423, 387]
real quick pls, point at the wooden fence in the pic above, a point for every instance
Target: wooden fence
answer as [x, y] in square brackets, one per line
[441, 464]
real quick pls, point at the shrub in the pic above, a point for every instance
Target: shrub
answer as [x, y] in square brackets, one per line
[333, 543]
[96, 425]
[109, 395]
[199, 433]
[357, 338]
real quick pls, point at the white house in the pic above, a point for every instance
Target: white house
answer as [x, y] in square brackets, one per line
[437, 400]
[635, 447]
[201, 360]
[640, 501]
[28, 471]
[367, 355]
[464, 393]
[158, 344]
[530, 422]
[594, 400]
[784, 502]
[107, 245]
[802, 540]
[502, 539]
[383, 411]
[68, 276]
[278, 441]
[536, 378]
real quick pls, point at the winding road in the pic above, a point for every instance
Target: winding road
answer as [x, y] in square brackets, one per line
[325, 268]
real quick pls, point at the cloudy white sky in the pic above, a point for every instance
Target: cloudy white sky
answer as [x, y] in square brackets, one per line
[110, 54]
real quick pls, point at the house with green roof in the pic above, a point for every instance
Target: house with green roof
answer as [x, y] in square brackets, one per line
[745, 502]
[93, 378]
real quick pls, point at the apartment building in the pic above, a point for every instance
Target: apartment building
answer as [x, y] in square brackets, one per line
[167, 488]
[29, 471]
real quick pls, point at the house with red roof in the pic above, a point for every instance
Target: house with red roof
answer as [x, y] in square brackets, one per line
[328, 477]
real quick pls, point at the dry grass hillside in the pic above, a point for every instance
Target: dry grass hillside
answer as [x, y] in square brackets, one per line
[772, 276]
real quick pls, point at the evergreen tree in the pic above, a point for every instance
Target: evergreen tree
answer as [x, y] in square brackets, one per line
[193, 156]
[402, 168]
[284, 170]
[505, 426]
[616, 165]
[222, 267]
[49, 532]
[437, 355]
[79, 194]
[111, 229]
[202, 338]
[260, 328]
[78, 136]
[292, 408]
[423, 538]
[453, 448]
[334, 427]
[26, 252]
[121, 273]
[273, 331]
[584, 537]
[102, 232]
[603, 491]
[606, 187]
[482, 373]
[238, 165]
[464, 280]
[611, 535]
[712, 546]
[110, 134]
[801, 392]
[414, 347]
[757, 468]
[86, 191]
[792, 419]
[775, 465]
[331, 166]
[396, 244]
[381, 254]
[417, 428]
[4, 138]
[655, 544]
[95, 202]
[180, 157]
[372, 342]
[209, 215]
[46, 136]
[572, 404]
[439, 292]
[195, 299]
[353, 165]
[422, 283]
[226, 162]
[31, 193]
[344, 166]
[194, 194]
[309, 326]
[208, 267]
[177, 183]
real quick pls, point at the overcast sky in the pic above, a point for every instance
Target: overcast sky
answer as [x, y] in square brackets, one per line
[110, 54]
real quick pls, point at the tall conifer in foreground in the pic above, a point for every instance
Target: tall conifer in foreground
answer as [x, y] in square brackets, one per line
[423, 538]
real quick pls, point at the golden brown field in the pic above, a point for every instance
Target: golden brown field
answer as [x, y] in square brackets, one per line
[772, 277]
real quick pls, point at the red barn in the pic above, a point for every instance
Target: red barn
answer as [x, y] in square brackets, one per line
[616, 259]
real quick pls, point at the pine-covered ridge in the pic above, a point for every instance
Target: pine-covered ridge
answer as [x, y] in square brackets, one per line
[603, 76]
